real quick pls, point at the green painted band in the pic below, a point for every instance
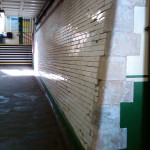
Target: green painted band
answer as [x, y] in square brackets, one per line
[138, 76]
[135, 117]
[63, 119]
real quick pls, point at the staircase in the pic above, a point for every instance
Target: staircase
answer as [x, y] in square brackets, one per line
[15, 54]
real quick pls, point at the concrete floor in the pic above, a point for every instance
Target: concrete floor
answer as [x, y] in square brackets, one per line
[26, 118]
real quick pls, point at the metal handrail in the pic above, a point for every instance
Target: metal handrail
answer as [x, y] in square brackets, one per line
[28, 39]
[27, 34]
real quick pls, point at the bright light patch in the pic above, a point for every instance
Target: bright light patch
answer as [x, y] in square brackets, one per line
[36, 57]
[2, 15]
[99, 16]
[52, 76]
[16, 72]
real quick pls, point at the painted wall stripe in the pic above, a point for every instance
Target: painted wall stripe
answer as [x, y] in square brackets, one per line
[133, 116]
[138, 76]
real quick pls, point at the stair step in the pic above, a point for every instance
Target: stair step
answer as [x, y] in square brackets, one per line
[14, 58]
[15, 61]
[15, 54]
[3, 48]
[15, 45]
[23, 56]
[7, 48]
[12, 50]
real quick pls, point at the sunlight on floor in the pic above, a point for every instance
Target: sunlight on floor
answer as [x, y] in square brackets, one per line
[18, 72]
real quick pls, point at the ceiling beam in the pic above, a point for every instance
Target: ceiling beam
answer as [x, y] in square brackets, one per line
[22, 8]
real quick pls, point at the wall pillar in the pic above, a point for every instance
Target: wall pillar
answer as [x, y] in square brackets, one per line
[122, 42]
[20, 30]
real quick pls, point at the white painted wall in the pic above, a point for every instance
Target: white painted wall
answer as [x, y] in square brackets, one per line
[5, 26]
[138, 65]
[14, 40]
[2, 21]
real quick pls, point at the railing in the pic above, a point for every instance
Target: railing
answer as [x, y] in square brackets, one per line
[27, 30]
[27, 37]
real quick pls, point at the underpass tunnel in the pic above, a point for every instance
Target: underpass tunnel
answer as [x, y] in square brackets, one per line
[74, 74]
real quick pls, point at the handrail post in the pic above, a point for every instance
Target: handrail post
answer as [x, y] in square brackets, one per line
[20, 30]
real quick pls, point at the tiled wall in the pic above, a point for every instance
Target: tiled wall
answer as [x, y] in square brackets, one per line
[70, 44]
[80, 52]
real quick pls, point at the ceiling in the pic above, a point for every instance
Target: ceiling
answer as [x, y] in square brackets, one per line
[22, 8]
